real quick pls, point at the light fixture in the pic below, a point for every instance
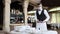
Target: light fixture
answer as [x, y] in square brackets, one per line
[55, 9]
[30, 12]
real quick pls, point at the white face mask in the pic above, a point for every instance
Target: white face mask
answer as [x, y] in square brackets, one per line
[40, 7]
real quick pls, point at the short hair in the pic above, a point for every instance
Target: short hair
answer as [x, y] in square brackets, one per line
[39, 3]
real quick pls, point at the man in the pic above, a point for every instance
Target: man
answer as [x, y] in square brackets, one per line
[42, 17]
[17, 16]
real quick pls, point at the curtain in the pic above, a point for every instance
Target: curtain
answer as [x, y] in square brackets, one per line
[55, 17]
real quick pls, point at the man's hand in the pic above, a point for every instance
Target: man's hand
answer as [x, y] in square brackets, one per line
[44, 21]
[37, 21]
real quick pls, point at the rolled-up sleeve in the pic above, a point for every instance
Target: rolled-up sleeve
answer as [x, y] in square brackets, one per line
[47, 15]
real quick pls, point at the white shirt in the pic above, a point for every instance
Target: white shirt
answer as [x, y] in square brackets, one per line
[46, 14]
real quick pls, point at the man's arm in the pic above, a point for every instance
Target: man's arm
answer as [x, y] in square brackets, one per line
[47, 15]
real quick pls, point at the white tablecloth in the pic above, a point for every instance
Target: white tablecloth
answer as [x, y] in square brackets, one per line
[30, 30]
[36, 32]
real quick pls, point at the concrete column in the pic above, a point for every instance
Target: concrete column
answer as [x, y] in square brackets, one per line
[6, 19]
[25, 6]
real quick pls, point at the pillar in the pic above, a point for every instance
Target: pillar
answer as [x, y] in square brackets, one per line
[6, 19]
[25, 6]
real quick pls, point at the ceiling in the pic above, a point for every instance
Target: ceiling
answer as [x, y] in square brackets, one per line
[47, 3]
[51, 3]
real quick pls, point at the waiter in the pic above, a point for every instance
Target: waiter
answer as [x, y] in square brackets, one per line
[41, 17]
